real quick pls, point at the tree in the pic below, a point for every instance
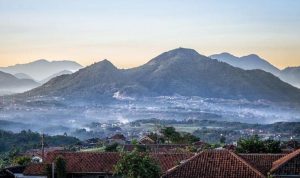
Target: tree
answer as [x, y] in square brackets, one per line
[189, 138]
[173, 136]
[222, 139]
[272, 146]
[137, 165]
[156, 138]
[112, 148]
[170, 134]
[22, 160]
[60, 165]
[255, 145]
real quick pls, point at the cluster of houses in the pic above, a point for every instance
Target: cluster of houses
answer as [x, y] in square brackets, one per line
[216, 163]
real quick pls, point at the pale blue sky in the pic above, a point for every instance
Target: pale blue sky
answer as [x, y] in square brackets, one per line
[131, 32]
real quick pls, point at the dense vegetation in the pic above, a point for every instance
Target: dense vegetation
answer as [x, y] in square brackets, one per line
[255, 145]
[12, 144]
[136, 164]
[28, 140]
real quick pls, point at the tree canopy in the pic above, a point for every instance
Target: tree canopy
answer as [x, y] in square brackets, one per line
[255, 145]
[137, 165]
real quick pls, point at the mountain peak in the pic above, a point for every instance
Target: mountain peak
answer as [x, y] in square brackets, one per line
[41, 61]
[252, 56]
[104, 64]
[176, 55]
[223, 55]
[185, 51]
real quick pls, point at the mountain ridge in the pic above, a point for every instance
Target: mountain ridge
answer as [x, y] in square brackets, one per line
[253, 61]
[10, 84]
[180, 71]
[49, 68]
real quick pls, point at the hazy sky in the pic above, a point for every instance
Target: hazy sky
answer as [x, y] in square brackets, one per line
[131, 32]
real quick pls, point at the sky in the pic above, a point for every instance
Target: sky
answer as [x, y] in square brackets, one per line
[129, 33]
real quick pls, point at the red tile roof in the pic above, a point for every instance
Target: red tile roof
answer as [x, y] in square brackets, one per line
[35, 169]
[79, 162]
[284, 160]
[262, 162]
[118, 137]
[96, 162]
[214, 164]
[170, 160]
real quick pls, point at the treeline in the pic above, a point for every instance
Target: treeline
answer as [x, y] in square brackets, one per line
[26, 140]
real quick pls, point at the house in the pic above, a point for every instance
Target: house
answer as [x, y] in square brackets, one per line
[262, 162]
[13, 172]
[206, 164]
[227, 164]
[117, 138]
[287, 166]
[6, 174]
[214, 164]
[36, 155]
[97, 164]
[146, 140]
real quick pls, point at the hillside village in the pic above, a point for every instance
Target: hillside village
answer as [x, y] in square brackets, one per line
[169, 154]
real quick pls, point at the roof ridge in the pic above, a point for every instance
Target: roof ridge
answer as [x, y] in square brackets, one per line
[246, 163]
[282, 160]
[182, 164]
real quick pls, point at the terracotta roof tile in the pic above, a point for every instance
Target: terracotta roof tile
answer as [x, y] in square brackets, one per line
[85, 162]
[284, 160]
[170, 160]
[35, 169]
[214, 164]
[262, 162]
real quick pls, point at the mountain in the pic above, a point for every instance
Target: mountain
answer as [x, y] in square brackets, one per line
[41, 69]
[64, 72]
[248, 62]
[23, 76]
[10, 84]
[291, 75]
[177, 72]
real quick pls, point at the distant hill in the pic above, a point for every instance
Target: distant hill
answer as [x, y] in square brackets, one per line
[23, 76]
[248, 62]
[10, 84]
[252, 61]
[64, 72]
[177, 72]
[41, 69]
[291, 75]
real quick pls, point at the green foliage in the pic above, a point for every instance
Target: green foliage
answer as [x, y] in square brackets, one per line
[137, 165]
[255, 145]
[112, 148]
[6, 159]
[22, 160]
[26, 140]
[191, 148]
[171, 135]
[134, 141]
[156, 138]
[60, 166]
[222, 139]
[140, 148]
[272, 146]
[189, 138]
[48, 170]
